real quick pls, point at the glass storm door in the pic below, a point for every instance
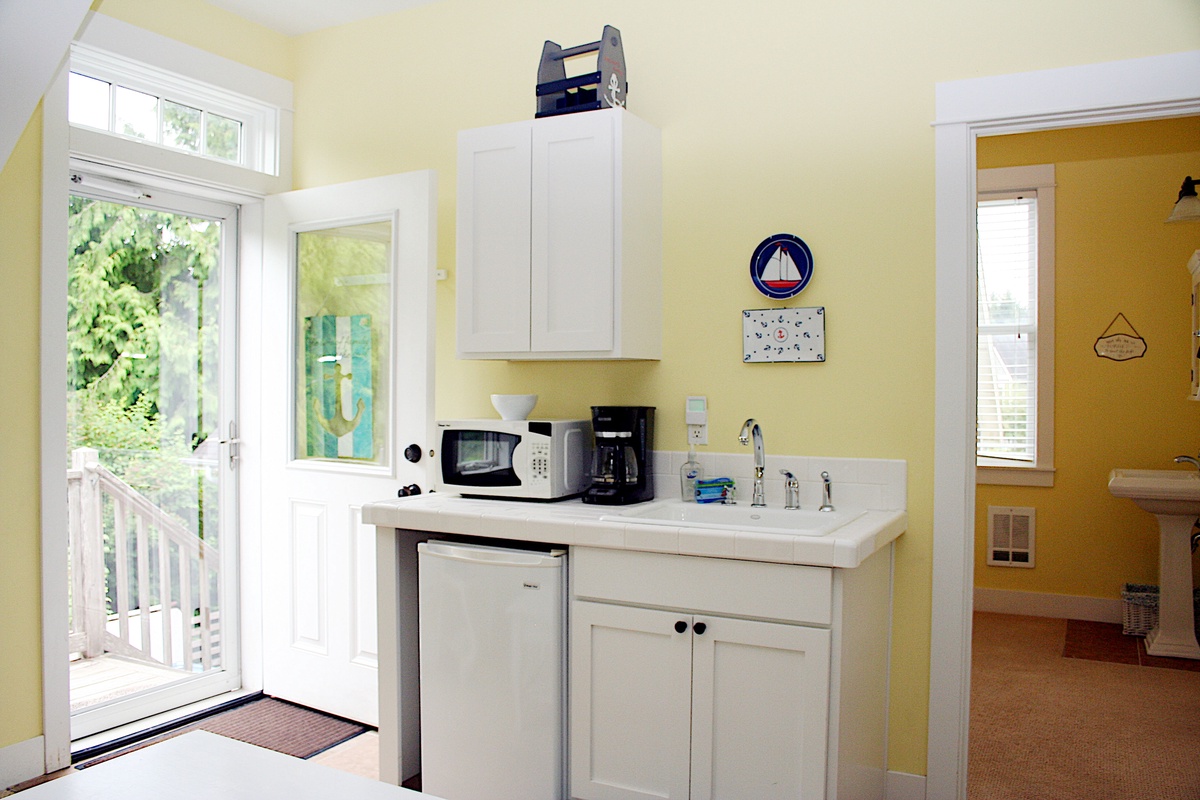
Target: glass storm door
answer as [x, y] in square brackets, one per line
[150, 391]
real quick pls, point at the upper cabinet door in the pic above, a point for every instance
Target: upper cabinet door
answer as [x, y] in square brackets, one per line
[572, 259]
[493, 239]
[560, 239]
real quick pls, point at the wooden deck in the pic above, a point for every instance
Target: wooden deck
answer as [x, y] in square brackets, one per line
[111, 677]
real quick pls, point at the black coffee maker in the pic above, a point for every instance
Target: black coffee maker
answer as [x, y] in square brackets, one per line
[622, 470]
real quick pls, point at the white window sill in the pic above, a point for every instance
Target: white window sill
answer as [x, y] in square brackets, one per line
[1013, 476]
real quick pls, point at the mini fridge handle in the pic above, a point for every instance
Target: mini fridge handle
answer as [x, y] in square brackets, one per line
[497, 556]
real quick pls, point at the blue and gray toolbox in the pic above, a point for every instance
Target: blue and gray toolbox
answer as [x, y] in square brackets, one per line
[604, 88]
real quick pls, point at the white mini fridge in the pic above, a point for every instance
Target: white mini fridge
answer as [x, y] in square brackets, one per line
[493, 672]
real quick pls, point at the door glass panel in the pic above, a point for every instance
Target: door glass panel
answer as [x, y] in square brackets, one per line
[143, 390]
[343, 335]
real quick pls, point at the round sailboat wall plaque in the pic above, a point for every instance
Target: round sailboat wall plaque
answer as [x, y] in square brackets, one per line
[781, 266]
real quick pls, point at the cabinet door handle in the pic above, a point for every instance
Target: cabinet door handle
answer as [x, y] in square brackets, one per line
[699, 628]
[680, 626]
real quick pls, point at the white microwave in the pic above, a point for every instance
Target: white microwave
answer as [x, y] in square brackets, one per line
[521, 459]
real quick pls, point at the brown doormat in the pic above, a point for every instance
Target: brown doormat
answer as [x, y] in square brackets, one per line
[273, 724]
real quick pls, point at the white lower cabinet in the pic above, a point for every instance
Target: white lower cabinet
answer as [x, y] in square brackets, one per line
[672, 696]
[670, 705]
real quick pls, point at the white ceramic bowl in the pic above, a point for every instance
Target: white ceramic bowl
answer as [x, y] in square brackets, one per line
[514, 406]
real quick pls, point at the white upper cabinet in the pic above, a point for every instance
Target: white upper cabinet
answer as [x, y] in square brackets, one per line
[560, 239]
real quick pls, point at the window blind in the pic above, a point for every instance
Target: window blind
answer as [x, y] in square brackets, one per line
[1007, 319]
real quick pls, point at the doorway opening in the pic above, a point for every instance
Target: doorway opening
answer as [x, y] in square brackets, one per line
[151, 455]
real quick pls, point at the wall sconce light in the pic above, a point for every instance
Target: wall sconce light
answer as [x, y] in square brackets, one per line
[1188, 205]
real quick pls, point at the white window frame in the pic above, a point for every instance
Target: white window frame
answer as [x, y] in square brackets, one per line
[1037, 179]
[258, 149]
[156, 65]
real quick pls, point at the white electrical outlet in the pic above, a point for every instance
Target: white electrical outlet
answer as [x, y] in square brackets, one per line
[697, 434]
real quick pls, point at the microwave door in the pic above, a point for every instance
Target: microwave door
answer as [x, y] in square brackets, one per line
[480, 459]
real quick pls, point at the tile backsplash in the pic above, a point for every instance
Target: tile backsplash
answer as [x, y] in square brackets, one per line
[872, 483]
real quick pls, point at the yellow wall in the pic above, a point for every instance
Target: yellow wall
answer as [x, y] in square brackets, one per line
[20, 512]
[776, 116]
[1114, 254]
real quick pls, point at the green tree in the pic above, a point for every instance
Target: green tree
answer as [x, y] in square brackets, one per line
[142, 328]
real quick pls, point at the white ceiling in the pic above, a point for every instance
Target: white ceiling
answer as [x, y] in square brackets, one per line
[294, 17]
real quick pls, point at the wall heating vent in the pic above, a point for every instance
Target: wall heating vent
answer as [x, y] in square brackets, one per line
[1010, 536]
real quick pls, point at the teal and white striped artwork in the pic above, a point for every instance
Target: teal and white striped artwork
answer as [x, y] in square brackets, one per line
[339, 390]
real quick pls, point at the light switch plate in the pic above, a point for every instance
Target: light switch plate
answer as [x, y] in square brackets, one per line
[783, 334]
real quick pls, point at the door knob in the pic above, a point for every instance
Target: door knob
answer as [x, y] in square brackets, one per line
[413, 453]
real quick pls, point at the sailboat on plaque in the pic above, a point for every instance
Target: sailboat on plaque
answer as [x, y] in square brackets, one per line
[782, 266]
[780, 271]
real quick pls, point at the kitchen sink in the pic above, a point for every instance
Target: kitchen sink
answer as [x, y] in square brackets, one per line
[794, 522]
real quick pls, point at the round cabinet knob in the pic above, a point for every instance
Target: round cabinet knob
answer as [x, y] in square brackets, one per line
[699, 628]
[413, 453]
[409, 491]
[680, 626]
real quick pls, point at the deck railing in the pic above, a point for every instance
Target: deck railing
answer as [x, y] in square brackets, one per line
[163, 607]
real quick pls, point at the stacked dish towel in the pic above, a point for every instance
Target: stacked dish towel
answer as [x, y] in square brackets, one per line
[714, 490]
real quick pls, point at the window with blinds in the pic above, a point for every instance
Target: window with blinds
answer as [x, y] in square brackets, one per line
[1007, 416]
[1015, 379]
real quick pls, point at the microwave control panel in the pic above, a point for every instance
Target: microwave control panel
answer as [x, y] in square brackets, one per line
[539, 462]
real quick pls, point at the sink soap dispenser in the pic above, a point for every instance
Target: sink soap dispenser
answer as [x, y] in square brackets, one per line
[689, 473]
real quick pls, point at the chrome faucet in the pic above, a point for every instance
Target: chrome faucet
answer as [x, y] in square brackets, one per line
[1195, 462]
[750, 428]
[826, 493]
[791, 491]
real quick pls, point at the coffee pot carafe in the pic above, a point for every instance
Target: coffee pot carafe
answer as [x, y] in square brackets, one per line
[621, 459]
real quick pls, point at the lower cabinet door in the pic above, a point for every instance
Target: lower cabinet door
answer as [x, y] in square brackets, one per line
[630, 690]
[760, 710]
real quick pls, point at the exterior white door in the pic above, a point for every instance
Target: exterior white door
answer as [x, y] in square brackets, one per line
[347, 393]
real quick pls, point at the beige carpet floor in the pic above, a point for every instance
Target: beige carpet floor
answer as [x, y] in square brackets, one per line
[1045, 726]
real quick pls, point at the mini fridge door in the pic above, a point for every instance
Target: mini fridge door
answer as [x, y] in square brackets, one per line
[492, 628]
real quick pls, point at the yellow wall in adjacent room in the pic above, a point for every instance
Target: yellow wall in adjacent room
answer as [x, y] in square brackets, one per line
[20, 514]
[1114, 254]
[777, 116]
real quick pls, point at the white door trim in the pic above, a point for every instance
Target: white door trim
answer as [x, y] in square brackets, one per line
[56, 153]
[1121, 91]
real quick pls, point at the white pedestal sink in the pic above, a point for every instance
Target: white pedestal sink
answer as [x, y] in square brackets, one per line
[1173, 496]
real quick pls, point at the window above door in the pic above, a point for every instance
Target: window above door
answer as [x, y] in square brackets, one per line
[134, 100]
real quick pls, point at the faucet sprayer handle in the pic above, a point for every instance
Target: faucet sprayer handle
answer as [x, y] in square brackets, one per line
[826, 493]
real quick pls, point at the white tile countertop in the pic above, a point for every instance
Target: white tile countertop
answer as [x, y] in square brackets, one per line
[572, 522]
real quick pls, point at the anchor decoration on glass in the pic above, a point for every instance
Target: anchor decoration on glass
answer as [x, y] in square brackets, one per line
[782, 265]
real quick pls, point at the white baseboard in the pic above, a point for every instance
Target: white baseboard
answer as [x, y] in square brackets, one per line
[22, 761]
[1040, 604]
[903, 786]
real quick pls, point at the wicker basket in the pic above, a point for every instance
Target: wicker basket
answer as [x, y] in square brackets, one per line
[1139, 609]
